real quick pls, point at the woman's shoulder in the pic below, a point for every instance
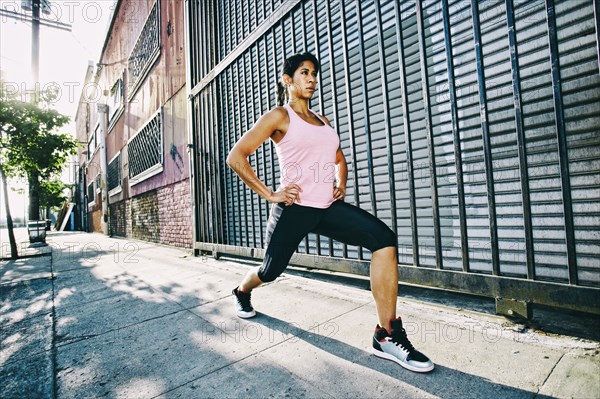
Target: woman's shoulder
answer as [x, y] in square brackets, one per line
[278, 113]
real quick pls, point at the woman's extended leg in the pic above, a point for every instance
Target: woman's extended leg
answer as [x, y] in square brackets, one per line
[384, 284]
[355, 226]
[352, 225]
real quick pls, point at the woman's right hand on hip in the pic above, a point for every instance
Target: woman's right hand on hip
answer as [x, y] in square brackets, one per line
[286, 194]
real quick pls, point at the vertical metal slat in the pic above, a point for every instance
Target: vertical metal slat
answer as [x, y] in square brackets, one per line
[202, 170]
[209, 161]
[223, 133]
[208, 166]
[597, 19]
[407, 135]
[350, 113]
[430, 141]
[333, 85]
[319, 81]
[237, 126]
[485, 135]
[243, 129]
[562, 142]
[512, 42]
[386, 116]
[464, 240]
[365, 98]
[212, 44]
[305, 39]
[232, 178]
[271, 145]
[216, 133]
[347, 82]
[258, 198]
[306, 241]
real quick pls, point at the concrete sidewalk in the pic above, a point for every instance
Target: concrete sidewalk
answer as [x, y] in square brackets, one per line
[106, 317]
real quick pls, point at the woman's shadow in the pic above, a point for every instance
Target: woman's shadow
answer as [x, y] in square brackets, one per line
[442, 382]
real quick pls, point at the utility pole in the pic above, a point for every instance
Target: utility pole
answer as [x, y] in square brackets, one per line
[35, 46]
[35, 6]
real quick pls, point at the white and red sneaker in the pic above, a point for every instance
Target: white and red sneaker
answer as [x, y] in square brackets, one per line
[397, 348]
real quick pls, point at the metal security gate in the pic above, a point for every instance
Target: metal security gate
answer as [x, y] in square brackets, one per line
[471, 128]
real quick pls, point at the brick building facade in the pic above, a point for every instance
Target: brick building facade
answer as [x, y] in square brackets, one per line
[135, 177]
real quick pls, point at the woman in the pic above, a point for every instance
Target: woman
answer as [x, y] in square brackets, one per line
[310, 198]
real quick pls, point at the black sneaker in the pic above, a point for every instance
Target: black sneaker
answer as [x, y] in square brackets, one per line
[397, 348]
[243, 306]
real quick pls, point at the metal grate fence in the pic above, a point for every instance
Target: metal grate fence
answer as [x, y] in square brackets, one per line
[472, 128]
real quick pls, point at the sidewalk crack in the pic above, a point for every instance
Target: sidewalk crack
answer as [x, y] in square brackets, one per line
[548, 376]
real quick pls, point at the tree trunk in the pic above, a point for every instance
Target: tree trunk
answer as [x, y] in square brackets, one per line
[34, 195]
[14, 254]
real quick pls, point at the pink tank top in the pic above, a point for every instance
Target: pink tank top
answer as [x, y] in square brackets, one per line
[307, 157]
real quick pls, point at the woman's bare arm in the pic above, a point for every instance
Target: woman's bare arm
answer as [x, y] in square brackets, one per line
[248, 144]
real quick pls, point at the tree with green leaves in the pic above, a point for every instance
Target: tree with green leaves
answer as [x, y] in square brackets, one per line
[30, 147]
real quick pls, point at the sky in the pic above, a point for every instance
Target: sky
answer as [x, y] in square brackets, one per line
[64, 57]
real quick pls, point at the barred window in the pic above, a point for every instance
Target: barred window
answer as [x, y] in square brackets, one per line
[98, 183]
[145, 51]
[93, 142]
[113, 175]
[91, 194]
[116, 101]
[145, 150]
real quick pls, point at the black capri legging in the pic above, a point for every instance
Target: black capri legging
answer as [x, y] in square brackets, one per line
[288, 225]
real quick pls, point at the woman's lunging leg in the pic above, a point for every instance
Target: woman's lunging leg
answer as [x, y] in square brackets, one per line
[250, 281]
[352, 225]
[384, 284]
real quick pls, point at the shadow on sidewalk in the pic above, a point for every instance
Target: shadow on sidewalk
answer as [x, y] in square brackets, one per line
[116, 333]
[442, 381]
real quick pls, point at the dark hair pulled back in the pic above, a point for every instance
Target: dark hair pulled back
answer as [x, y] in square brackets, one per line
[288, 67]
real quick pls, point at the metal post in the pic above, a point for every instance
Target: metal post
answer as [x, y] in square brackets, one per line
[464, 241]
[430, 142]
[365, 98]
[597, 19]
[336, 121]
[562, 142]
[485, 135]
[386, 117]
[347, 82]
[102, 114]
[520, 130]
[191, 59]
[407, 136]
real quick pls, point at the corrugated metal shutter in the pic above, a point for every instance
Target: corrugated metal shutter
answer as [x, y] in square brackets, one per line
[450, 114]
[580, 79]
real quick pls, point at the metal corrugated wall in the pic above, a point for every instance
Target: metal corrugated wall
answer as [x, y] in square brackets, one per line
[472, 128]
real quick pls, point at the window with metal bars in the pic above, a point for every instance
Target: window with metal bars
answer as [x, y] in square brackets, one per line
[116, 101]
[91, 194]
[113, 175]
[98, 183]
[93, 143]
[145, 51]
[145, 150]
